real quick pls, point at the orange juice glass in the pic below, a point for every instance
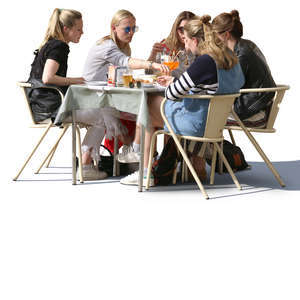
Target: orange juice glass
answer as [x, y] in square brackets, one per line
[172, 65]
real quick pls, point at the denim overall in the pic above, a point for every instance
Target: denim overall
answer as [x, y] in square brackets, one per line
[188, 117]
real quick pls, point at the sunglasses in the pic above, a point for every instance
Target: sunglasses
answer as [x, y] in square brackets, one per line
[181, 29]
[133, 28]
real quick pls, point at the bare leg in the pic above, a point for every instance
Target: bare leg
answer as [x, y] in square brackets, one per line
[156, 120]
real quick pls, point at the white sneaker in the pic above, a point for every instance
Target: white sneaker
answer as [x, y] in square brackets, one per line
[133, 179]
[128, 155]
[90, 172]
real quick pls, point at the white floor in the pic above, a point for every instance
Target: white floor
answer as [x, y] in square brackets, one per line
[104, 240]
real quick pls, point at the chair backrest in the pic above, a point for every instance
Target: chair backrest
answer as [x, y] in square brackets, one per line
[276, 101]
[218, 111]
[24, 86]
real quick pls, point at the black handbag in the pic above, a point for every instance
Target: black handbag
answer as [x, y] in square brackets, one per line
[106, 164]
[45, 100]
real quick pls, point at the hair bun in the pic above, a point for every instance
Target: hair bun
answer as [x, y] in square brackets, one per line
[235, 14]
[205, 19]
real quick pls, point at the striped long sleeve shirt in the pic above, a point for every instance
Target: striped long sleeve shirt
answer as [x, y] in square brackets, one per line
[200, 78]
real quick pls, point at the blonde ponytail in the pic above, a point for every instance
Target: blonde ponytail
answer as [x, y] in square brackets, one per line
[57, 21]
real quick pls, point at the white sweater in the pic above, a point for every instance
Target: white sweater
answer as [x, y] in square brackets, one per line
[100, 57]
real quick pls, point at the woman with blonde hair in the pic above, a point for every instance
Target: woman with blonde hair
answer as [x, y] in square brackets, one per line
[172, 45]
[215, 70]
[50, 67]
[114, 49]
[50, 63]
[251, 108]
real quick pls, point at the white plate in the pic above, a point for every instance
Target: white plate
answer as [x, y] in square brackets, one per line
[97, 83]
[148, 85]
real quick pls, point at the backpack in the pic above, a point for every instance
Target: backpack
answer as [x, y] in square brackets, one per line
[234, 156]
[163, 168]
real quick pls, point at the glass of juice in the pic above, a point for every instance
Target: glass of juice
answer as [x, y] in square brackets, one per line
[170, 62]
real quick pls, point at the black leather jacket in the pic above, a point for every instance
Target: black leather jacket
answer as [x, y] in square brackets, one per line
[257, 75]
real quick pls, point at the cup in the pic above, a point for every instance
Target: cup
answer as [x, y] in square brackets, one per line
[127, 77]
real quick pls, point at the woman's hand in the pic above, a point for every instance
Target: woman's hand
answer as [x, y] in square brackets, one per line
[165, 80]
[77, 80]
[163, 69]
[156, 48]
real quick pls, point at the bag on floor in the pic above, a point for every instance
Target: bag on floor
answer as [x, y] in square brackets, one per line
[106, 164]
[163, 168]
[234, 156]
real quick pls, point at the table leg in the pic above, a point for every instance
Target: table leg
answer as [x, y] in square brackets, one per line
[141, 165]
[116, 151]
[73, 147]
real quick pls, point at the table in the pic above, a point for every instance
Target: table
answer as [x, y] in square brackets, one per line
[132, 100]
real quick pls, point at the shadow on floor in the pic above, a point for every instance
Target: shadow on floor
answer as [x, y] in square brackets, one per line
[258, 177]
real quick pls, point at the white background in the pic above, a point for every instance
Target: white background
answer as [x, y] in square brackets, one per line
[61, 243]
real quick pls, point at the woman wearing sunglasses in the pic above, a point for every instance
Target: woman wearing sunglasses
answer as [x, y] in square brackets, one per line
[173, 44]
[114, 49]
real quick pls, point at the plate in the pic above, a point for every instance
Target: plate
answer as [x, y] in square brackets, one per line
[148, 85]
[97, 83]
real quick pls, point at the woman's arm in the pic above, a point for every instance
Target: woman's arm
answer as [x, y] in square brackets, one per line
[50, 77]
[179, 87]
[135, 63]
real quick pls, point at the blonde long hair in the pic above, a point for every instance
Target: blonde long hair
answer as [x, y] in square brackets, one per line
[59, 19]
[209, 43]
[116, 19]
[172, 40]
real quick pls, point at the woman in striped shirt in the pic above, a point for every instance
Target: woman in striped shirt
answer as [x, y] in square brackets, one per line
[215, 71]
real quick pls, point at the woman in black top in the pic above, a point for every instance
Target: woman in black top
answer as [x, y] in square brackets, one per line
[50, 68]
[251, 107]
[50, 63]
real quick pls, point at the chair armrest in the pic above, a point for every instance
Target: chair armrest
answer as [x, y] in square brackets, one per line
[272, 89]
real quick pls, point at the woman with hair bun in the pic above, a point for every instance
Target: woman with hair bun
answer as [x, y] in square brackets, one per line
[215, 70]
[252, 107]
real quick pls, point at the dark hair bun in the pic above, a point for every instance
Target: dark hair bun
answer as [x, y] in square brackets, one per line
[205, 19]
[235, 14]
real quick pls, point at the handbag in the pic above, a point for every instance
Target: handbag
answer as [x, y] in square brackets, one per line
[234, 156]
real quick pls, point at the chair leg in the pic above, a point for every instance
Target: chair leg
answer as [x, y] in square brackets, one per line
[33, 151]
[259, 150]
[152, 146]
[221, 161]
[228, 166]
[174, 179]
[79, 154]
[231, 137]
[213, 166]
[50, 158]
[190, 166]
[183, 165]
[267, 161]
[51, 152]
